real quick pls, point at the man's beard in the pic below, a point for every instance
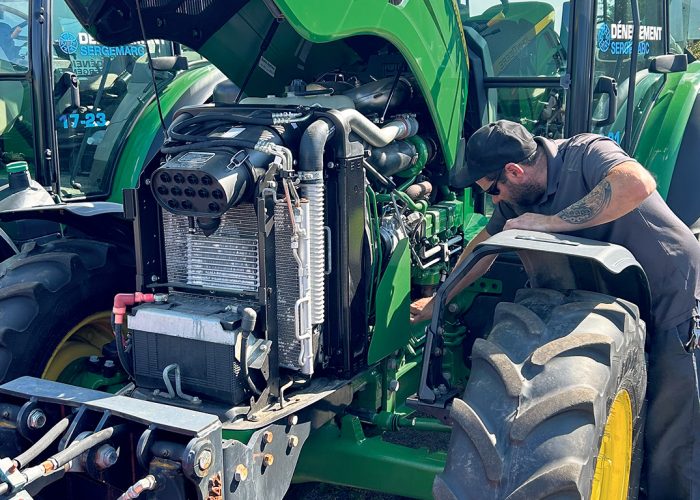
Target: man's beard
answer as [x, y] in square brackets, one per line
[525, 195]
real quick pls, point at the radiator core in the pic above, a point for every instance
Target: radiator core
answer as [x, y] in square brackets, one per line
[228, 260]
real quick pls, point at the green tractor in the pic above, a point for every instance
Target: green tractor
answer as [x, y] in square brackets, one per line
[283, 229]
[78, 122]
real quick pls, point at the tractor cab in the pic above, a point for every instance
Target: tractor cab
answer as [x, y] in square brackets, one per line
[69, 103]
[561, 68]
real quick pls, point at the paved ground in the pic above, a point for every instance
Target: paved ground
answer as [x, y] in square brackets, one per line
[434, 441]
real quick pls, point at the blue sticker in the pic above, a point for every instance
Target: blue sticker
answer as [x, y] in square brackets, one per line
[604, 38]
[68, 42]
[615, 136]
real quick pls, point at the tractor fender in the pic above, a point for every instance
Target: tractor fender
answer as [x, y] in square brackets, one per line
[102, 220]
[7, 246]
[567, 262]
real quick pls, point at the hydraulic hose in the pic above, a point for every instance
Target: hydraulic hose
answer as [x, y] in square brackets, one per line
[44, 442]
[145, 484]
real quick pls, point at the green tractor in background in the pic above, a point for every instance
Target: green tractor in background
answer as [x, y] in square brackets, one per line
[282, 231]
[81, 119]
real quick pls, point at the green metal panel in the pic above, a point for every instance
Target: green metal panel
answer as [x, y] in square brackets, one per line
[391, 329]
[427, 33]
[133, 156]
[376, 464]
[660, 140]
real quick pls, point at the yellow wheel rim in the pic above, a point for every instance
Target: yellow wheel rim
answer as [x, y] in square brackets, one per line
[612, 470]
[85, 339]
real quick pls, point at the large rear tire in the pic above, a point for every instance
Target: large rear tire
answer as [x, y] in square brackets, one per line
[553, 406]
[54, 299]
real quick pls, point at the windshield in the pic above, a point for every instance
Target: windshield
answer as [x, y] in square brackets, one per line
[523, 38]
[98, 92]
[684, 17]
[14, 36]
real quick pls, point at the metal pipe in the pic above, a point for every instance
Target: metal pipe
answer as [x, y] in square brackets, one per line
[404, 126]
[424, 424]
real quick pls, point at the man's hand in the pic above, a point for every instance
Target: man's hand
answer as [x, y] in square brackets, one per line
[421, 310]
[535, 222]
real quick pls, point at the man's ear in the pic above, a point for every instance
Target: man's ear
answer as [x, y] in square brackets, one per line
[514, 172]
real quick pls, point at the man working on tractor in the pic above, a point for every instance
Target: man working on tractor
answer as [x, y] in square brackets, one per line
[588, 186]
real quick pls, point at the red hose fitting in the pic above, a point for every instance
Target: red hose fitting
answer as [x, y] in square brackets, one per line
[124, 300]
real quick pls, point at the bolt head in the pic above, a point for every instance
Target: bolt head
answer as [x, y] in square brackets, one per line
[109, 363]
[94, 358]
[293, 420]
[453, 308]
[241, 473]
[267, 437]
[36, 419]
[268, 459]
[106, 456]
[293, 441]
[394, 385]
[205, 459]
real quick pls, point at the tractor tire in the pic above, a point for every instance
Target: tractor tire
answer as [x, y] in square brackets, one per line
[47, 291]
[553, 406]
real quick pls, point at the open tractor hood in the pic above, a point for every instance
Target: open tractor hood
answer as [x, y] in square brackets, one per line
[313, 37]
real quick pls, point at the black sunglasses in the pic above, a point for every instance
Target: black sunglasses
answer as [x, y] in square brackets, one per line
[493, 188]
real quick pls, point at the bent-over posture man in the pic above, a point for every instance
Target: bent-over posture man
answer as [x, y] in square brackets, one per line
[588, 186]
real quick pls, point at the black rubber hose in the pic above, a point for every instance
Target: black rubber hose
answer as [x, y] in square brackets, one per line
[121, 354]
[313, 142]
[44, 442]
[247, 326]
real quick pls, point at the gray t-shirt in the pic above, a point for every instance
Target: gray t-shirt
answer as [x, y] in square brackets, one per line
[661, 243]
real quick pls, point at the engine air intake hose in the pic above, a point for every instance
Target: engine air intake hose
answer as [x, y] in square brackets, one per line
[399, 128]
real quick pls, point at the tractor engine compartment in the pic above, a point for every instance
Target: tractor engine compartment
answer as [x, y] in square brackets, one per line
[284, 211]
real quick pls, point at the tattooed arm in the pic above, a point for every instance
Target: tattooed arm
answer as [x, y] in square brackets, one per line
[621, 191]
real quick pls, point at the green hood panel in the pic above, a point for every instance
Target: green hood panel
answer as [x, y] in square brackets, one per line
[313, 36]
[427, 33]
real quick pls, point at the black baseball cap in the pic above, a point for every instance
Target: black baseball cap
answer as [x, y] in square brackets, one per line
[494, 145]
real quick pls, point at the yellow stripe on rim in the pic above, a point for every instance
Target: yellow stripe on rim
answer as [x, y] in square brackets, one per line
[85, 339]
[612, 470]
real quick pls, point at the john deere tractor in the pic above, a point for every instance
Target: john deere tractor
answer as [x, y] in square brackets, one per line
[282, 230]
[78, 121]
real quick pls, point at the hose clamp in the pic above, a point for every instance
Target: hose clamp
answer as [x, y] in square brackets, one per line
[316, 175]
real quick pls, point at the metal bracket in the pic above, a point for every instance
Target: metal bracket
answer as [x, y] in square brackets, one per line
[172, 394]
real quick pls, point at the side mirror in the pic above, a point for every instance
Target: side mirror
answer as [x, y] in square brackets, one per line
[169, 63]
[607, 87]
[669, 63]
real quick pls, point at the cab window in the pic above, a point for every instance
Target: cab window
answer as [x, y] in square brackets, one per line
[16, 136]
[97, 91]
